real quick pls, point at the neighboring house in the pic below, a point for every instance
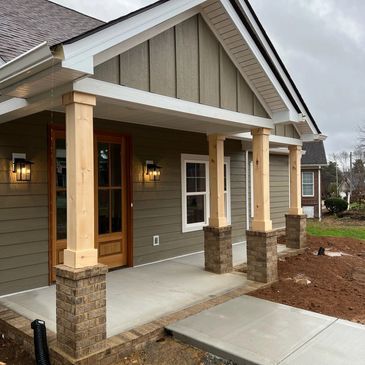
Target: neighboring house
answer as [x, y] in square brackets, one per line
[313, 159]
[175, 119]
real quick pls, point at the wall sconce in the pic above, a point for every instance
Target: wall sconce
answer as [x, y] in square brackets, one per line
[21, 167]
[153, 171]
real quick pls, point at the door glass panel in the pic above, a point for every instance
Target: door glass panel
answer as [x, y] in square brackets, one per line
[103, 164]
[116, 210]
[115, 156]
[60, 163]
[61, 215]
[103, 211]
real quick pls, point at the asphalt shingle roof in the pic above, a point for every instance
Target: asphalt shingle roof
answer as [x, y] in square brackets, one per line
[26, 23]
[314, 153]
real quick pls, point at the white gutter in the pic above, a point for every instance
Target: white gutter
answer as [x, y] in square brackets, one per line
[25, 65]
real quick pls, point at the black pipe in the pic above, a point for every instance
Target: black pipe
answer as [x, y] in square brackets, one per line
[40, 342]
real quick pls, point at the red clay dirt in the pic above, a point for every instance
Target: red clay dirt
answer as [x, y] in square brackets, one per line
[337, 284]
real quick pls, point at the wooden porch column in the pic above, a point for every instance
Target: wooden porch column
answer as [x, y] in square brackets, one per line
[216, 181]
[217, 236]
[260, 155]
[296, 221]
[295, 156]
[80, 250]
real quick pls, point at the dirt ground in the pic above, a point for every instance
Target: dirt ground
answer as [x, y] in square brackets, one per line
[164, 352]
[337, 283]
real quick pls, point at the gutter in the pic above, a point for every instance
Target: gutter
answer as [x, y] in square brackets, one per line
[27, 64]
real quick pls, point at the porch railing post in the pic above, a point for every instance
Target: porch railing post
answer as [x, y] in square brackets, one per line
[295, 219]
[217, 236]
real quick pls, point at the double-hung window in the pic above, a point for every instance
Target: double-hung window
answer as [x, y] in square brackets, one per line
[307, 184]
[195, 191]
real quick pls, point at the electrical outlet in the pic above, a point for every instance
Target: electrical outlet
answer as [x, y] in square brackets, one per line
[156, 240]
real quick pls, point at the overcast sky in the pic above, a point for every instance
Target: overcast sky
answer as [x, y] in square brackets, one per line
[322, 43]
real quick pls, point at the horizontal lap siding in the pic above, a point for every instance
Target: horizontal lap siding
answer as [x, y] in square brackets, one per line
[157, 206]
[279, 189]
[24, 207]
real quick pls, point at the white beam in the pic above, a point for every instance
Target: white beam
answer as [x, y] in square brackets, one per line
[273, 139]
[144, 100]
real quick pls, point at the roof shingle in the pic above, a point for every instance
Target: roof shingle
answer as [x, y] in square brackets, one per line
[314, 153]
[26, 23]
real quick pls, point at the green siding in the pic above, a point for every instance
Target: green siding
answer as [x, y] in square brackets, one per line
[24, 207]
[187, 62]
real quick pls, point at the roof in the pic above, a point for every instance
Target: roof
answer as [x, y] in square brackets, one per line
[314, 153]
[26, 23]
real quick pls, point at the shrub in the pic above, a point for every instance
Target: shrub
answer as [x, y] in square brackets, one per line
[335, 205]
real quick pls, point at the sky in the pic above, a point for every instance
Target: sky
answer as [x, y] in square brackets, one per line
[322, 44]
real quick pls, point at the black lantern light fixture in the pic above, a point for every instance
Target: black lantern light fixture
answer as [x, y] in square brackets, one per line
[153, 171]
[22, 167]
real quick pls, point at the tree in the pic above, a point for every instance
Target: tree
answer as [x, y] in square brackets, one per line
[328, 178]
[358, 179]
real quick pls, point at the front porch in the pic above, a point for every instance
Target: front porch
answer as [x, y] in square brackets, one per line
[143, 294]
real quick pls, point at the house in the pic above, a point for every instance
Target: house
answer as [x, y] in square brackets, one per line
[313, 159]
[181, 125]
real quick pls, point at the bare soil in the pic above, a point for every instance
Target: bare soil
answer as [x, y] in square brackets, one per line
[337, 283]
[13, 354]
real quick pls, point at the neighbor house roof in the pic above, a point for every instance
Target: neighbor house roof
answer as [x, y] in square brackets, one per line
[26, 23]
[314, 153]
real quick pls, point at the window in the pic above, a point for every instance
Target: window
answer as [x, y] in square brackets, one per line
[307, 184]
[195, 191]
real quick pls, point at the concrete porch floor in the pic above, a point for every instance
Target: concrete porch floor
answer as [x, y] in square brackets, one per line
[142, 294]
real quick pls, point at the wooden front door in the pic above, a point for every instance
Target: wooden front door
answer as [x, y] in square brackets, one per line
[112, 199]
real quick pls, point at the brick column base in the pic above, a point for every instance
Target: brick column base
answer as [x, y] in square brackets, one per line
[296, 236]
[262, 256]
[218, 249]
[81, 309]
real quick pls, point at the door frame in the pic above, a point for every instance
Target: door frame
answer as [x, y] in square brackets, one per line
[57, 129]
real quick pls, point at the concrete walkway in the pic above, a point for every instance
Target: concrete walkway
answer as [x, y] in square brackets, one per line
[248, 330]
[142, 294]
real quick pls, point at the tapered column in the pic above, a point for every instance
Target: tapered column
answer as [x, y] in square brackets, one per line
[217, 236]
[262, 263]
[261, 185]
[296, 221]
[80, 250]
[295, 156]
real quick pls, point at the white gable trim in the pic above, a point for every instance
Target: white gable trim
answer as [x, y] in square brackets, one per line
[88, 52]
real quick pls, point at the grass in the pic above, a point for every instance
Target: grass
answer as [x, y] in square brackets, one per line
[332, 228]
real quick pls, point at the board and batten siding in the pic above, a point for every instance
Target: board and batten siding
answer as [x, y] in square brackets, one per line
[157, 206]
[185, 62]
[24, 207]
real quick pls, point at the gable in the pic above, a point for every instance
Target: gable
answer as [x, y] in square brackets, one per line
[186, 62]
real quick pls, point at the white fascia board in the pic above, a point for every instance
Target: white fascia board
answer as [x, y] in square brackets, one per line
[26, 64]
[279, 140]
[145, 100]
[82, 54]
[275, 61]
[251, 44]
[313, 137]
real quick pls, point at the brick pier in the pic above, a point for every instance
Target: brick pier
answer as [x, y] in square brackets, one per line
[296, 236]
[218, 249]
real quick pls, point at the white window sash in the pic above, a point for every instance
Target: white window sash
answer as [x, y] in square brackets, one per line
[308, 184]
[188, 158]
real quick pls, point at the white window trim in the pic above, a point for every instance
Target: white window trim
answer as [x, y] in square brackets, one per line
[309, 195]
[186, 158]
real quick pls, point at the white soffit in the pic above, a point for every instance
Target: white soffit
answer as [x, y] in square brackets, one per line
[238, 43]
